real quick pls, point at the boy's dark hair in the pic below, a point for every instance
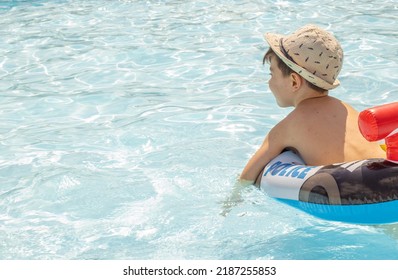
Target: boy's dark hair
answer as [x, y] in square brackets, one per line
[286, 71]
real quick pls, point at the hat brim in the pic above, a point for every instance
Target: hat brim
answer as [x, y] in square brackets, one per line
[273, 41]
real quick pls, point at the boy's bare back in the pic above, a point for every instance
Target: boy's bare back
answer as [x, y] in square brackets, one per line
[325, 130]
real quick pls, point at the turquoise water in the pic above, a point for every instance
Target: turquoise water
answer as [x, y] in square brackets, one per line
[124, 125]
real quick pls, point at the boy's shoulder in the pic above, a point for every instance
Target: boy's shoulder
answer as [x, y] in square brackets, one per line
[287, 127]
[318, 108]
[298, 115]
[313, 113]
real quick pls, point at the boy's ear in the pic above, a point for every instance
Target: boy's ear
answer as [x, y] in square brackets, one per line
[296, 81]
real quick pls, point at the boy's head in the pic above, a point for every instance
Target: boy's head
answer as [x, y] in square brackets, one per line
[311, 52]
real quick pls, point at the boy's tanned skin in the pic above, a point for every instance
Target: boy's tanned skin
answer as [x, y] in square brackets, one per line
[322, 129]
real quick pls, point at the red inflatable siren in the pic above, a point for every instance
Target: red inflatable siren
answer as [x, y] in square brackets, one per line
[378, 122]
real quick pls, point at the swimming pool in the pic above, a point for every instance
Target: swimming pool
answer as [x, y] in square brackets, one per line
[124, 126]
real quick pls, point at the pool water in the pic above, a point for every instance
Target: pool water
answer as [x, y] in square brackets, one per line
[125, 124]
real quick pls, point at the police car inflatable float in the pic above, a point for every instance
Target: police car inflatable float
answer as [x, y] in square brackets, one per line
[364, 191]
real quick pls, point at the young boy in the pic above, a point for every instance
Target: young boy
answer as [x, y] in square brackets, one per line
[321, 129]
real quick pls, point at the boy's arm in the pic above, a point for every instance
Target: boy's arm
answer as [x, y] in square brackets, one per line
[272, 146]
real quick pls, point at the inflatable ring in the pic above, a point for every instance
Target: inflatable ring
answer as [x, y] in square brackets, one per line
[363, 192]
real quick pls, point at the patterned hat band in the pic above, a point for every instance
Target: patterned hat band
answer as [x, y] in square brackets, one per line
[284, 52]
[311, 52]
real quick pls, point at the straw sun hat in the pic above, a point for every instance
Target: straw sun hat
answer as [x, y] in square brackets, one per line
[312, 52]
